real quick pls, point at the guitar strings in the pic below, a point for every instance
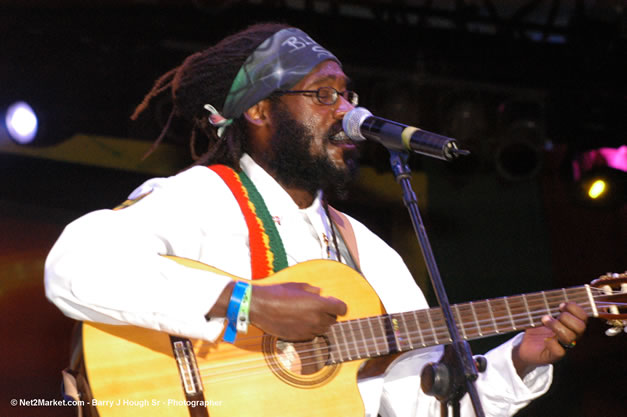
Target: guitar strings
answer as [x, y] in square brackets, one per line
[260, 368]
[440, 332]
[436, 315]
[227, 371]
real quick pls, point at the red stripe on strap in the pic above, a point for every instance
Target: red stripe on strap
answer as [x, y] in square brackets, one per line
[261, 264]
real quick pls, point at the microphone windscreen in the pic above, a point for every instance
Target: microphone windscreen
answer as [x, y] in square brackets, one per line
[352, 122]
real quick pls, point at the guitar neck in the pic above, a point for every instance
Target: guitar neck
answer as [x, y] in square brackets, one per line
[391, 333]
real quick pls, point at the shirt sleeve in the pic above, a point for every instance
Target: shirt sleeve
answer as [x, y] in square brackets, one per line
[107, 265]
[502, 392]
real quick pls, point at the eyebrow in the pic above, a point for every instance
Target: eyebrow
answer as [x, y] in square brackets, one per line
[332, 78]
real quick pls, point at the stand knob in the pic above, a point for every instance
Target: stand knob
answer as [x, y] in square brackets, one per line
[480, 362]
[435, 380]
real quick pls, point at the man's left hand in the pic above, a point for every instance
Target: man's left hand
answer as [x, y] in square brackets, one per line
[548, 344]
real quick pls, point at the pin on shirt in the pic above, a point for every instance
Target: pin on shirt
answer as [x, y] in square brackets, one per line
[326, 245]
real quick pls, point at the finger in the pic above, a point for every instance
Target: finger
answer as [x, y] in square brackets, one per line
[554, 347]
[327, 320]
[574, 309]
[319, 326]
[320, 330]
[337, 307]
[310, 288]
[573, 323]
[563, 333]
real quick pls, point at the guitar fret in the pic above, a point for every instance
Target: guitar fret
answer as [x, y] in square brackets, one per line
[422, 339]
[440, 317]
[345, 341]
[363, 338]
[350, 328]
[498, 312]
[396, 332]
[435, 336]
[411, 346]
[392, 335]
[334, 343]
[339, 342]
[509, 313]
[374, 338]
[524, 298]
[474, 314]
[546, 303]
[593, 306]
[461, 322]
[584, 298]
[492, 315]
[384, 335]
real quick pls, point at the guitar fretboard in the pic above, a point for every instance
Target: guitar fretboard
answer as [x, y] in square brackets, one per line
[381, 335]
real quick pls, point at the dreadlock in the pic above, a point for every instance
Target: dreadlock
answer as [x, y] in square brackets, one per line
[206, 77]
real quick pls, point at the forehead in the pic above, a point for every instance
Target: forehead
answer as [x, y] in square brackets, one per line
[325, 72]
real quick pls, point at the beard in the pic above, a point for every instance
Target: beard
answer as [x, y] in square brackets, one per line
[293, 164]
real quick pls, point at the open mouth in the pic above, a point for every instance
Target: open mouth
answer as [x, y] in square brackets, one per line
[340, 137]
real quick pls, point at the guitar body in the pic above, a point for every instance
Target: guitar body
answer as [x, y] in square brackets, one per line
[133, 371]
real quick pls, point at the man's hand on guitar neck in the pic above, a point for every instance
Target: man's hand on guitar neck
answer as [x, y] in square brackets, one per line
[546, 344]
[292, 311]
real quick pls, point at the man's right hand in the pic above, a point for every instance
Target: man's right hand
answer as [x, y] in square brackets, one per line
[293, 311]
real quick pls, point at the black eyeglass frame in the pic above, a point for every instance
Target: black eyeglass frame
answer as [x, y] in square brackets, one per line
[349, 95]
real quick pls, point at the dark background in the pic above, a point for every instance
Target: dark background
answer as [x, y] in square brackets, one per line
[525, 85]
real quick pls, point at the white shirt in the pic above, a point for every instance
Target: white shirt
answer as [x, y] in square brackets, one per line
[106, 267]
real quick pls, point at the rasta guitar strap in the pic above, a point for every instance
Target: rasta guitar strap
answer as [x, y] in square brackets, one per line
[267, 252]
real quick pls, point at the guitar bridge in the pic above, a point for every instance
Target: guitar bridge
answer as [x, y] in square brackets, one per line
[188, 367]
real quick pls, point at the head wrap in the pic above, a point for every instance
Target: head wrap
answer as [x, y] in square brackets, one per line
[278, 63]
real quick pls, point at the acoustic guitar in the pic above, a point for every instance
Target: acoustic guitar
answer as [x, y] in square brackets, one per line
[138, 372]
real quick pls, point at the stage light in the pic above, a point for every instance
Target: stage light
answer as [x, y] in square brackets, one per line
[21, 122]
[600, 176]
[597, 189]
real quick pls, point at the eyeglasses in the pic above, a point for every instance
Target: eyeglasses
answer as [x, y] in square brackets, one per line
[326, 95]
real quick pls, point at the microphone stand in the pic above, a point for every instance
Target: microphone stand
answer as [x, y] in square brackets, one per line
[456, 372]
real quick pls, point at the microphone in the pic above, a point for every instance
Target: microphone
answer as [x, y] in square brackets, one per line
[359, 124]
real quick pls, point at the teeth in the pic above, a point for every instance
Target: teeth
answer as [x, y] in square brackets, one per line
[341, 136]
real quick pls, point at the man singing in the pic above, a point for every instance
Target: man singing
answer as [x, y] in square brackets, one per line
[268, 104]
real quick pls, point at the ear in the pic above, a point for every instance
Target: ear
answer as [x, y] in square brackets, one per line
[259, 114]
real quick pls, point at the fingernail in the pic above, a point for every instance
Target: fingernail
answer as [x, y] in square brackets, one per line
[562, 306]
[546, 319]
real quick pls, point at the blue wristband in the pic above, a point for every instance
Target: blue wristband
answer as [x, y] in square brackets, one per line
[243, 319]
[233, 309]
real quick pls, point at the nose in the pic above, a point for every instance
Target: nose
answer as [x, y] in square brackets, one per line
[343, 107]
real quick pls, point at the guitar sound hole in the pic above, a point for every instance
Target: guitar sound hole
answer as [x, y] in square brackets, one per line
[303, 365]
[303, 358]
